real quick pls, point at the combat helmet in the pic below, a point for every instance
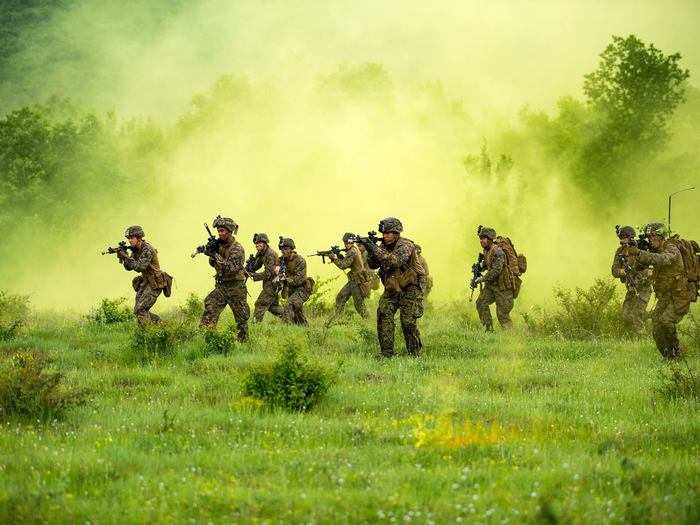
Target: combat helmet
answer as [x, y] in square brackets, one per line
[134, 231]
[226, 223]
[624, 232]
[485, 231]
[349, 237]
[390, 224]
[286, 242]
[655, 228]
[261, 237]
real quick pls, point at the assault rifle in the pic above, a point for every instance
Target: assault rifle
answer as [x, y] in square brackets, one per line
[370, 239]
[630, 274]
[327, 253]
[250, 265]
[477, 269]
[121, 247]
[211, 247]
[281, 274]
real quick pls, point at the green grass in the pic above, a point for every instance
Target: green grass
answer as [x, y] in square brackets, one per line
[497, 428]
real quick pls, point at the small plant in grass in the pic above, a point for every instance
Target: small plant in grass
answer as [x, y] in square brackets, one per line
[158, 340]
[14, 311]
[680, 381]
[317, 305]
[27, 390]
[290, 382]
[193, 309]
[111, 311]
[216, 342]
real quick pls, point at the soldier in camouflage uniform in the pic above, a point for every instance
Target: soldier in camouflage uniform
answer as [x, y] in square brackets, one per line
[296, 286]
[230, 288]
[426, 283]
[149, 285]
[359, 279]
[268, 260]
[670, 280]
[401, 274]
[497, 283]
[637, 281]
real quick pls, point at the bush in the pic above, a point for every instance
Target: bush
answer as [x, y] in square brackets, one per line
[581, 314]
[317, 304]
[28, 391]
[193, 309]
[289, 383]
[691, 330]
[158, 340]
[216, 342]
[14, 311]
[111, 311]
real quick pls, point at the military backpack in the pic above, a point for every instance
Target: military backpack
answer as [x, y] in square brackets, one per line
[690, 252]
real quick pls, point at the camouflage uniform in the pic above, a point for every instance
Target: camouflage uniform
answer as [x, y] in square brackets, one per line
[230, 288]
[268, 300]
[638, 285]
[672, 296]
[426, 281]
[358, 285]
[498, 286]
[149, 284]
[400, 273]
[297, 289]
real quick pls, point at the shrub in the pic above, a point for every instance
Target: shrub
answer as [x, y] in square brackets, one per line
[317, 305]
[14, 311]
[581, 314]
[216, 342]
[158, 340]
[111, 311]
[289, 383]
[193, 309]
[28, 391]
[691, 330]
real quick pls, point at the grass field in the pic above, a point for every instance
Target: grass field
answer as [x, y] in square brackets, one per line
[483, 428]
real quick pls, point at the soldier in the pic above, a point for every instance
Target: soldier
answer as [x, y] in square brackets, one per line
[230, 289]
[637, 281]
[359, 279]
[268, 260]
[498, 283]
[401, 274]
[149, 285]
[296, 286]
[670, 279]
[427, 281]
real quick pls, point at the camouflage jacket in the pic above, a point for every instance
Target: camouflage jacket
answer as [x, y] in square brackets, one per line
[669, 274]
[268, 261]
[398, 264]
[497, 273]
[230, 268]
[296, 271]
[639, 277]
[355, 259]
[145, 261]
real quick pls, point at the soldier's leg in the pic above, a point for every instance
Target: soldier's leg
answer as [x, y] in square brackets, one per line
[145, 299]
[238, 302]
[388, 304]
[358, 300]
[411, 305]
[483, 302]
[504, 305]
[342, 298]
[214, 304]
[275, 308]
[630, 311]
[664, 319]
[295, 308]
[262, 304]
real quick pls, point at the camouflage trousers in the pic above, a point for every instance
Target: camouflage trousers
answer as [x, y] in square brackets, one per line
[351, 289]
[294, 313]
[232, 294]
[145, 299]
[267, 301]
[410, 305]
[504, 304]
[665, 317]
[634, 309]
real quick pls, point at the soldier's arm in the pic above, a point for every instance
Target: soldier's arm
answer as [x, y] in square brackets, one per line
[268, 272]
[299, 276]
[234, 262]
[616, 265]
[400, 256]
[665, 258]
[345, 262]
[498, 261]
[140, 264]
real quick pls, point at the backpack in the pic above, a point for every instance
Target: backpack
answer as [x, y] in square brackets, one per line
[517, 263]
[690, 252]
